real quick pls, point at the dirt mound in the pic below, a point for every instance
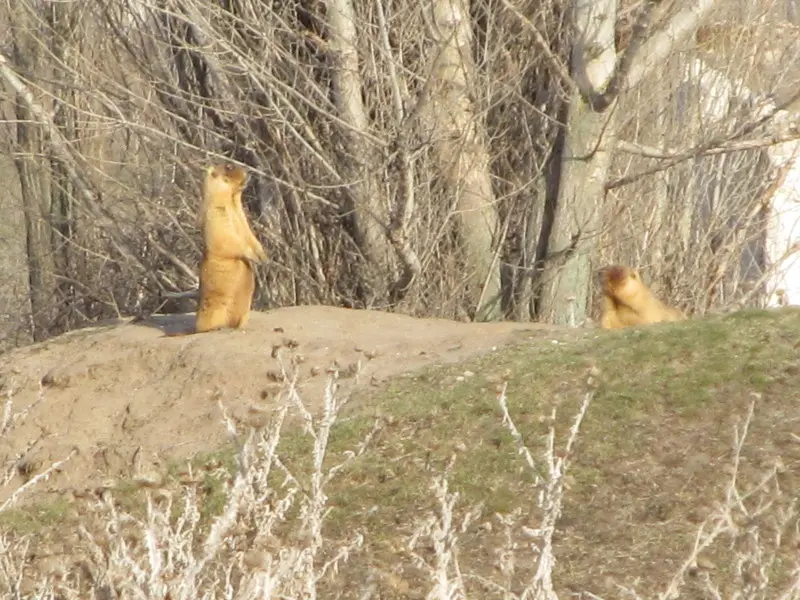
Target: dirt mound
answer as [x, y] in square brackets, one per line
[127, 398]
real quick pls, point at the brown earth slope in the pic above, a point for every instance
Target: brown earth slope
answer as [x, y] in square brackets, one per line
[127, 398]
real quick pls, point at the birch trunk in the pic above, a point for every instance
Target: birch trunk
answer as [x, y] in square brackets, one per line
[461, 151]
[783, 202]
[35, 191]
[34, 187]
[591, 134]
[586, 159]
[783, 228]
[363, 201]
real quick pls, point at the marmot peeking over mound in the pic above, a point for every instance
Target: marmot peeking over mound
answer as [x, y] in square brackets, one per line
[227, 280]
[627, 301]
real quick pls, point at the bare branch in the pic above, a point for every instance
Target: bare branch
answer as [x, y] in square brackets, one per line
[600, 102]
[724, 148]
[656, 49]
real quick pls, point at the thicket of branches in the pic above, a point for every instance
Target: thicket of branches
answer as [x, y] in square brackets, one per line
[403, 156]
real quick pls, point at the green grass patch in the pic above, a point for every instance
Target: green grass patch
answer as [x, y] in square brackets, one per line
[35, 517]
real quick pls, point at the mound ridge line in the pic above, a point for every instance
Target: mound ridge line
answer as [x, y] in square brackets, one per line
[128, 399]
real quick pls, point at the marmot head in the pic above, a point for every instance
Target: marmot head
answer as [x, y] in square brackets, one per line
[227, 176]
[620, 281]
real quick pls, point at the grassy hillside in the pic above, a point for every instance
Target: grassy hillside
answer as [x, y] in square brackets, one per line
[654, 461]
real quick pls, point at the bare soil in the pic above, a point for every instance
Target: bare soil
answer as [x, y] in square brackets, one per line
[128, 398]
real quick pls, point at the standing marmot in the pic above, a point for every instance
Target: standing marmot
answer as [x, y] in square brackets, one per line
[627, 301]
[227, 281]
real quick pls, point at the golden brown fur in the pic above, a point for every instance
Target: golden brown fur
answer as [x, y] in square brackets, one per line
[627, 301]
[227, 281]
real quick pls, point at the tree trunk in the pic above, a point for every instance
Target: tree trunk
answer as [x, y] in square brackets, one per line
[461, 150]
[591, 134]
[586, 159]
[783, 237]
[61, 210]
[363, 203]
[584, 172]
[35, 190]
[524, 304]
[37, 231]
